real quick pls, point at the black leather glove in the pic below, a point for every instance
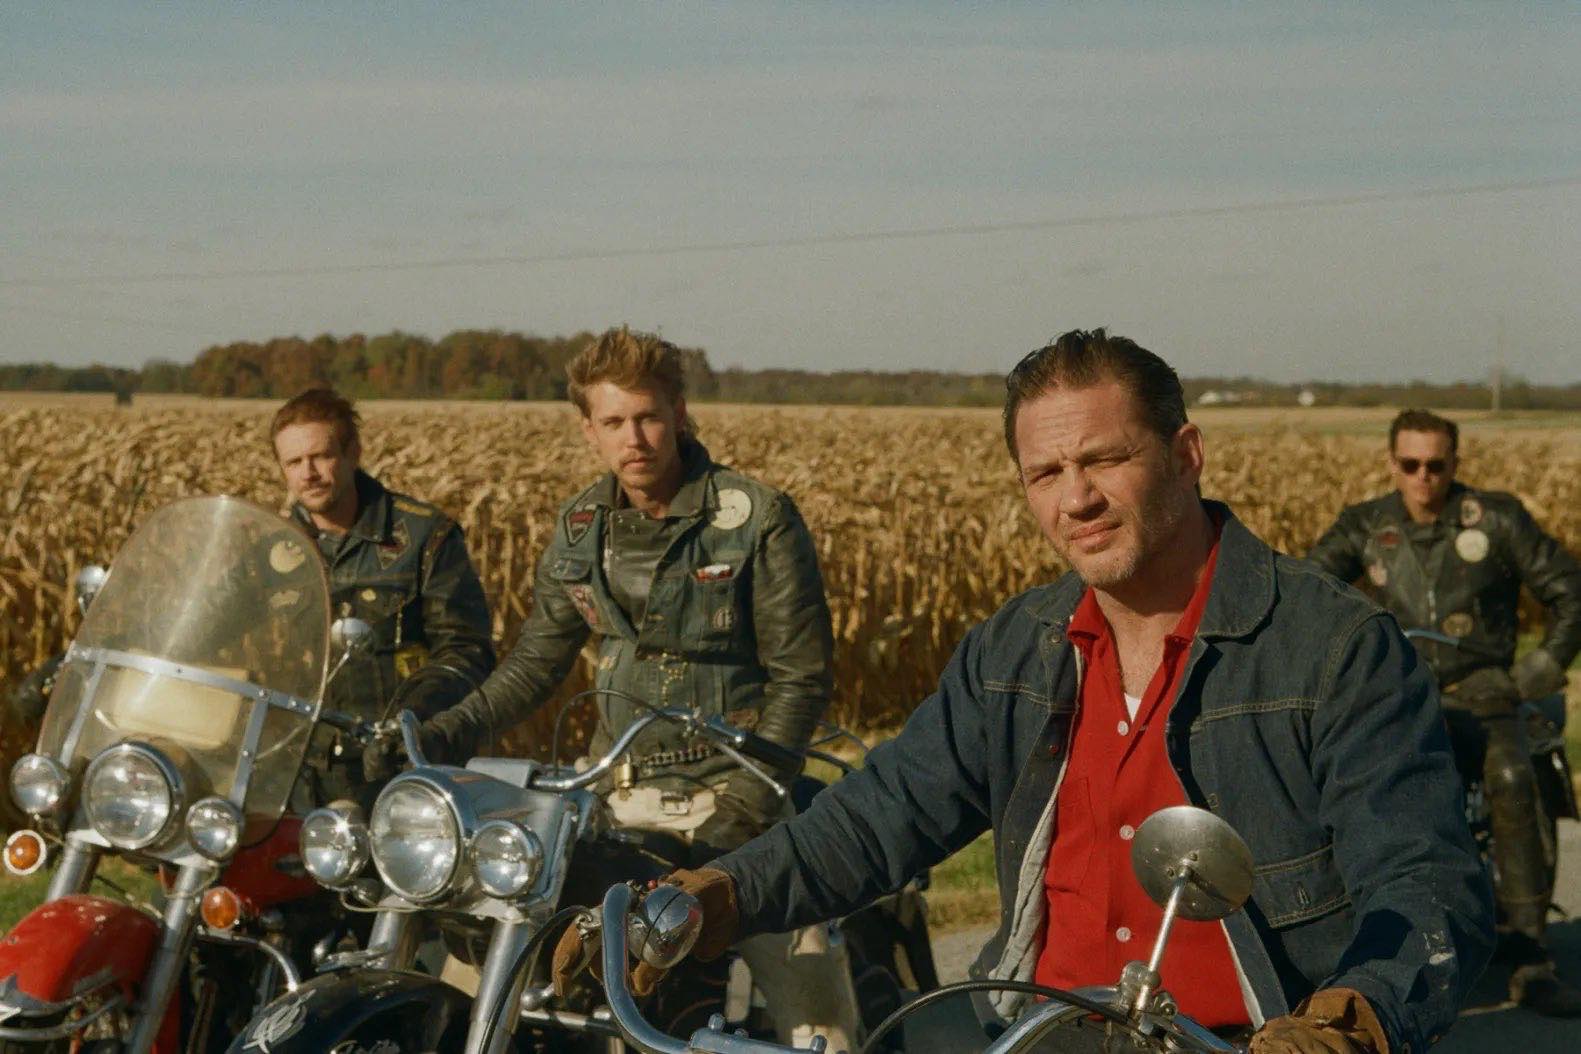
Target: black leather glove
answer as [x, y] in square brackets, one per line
[1537, 674]
[382, 758]
[441, 738]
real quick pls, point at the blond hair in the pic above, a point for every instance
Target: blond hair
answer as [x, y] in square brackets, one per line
[628, 360]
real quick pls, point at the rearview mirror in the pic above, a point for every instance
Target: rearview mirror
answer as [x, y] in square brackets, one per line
[1191, 845]
[664, 927]
[87, 584]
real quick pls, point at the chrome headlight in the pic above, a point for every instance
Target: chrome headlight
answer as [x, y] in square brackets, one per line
[132, 793]
[416, 840]
[214, 827]
[38, 784]
[334, 845]
[506, 858]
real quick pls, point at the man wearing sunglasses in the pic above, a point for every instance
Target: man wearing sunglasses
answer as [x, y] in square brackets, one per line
[1451, 559]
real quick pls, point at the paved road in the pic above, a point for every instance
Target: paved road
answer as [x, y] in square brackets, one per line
[1489, 1023]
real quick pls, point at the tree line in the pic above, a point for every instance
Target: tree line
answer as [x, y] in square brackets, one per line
[496, 364]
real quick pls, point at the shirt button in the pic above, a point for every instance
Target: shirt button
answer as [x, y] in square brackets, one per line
[1123, 728]
[1127, 832]
[1122, 934]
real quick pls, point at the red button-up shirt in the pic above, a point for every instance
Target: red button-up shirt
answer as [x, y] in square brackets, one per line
[1118, 774]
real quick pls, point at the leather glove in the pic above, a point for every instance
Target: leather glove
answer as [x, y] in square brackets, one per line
[1537, 674]
[1329, 1021]
[716, 894]
[382, 758]
[386, 755]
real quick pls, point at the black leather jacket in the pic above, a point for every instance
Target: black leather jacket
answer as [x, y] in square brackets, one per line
[734, 621]
[1459, 575]
[404, 569]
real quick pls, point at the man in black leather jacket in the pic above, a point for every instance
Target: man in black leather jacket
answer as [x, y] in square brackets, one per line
[701, 586]
[1452, 559]
[397, 563]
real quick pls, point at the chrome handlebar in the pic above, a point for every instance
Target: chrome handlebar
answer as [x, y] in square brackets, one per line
[739, 745]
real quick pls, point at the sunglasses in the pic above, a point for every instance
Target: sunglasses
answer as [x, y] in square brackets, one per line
[1411, 465]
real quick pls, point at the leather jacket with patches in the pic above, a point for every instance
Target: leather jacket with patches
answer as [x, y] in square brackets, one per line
[403, 568]
[1459, 575]
[719, 607]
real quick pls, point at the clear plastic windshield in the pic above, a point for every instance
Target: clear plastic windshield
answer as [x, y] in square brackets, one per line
[214, 607]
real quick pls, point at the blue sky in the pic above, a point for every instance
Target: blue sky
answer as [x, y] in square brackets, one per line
[205, 139]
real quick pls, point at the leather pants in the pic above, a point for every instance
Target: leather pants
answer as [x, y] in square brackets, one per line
[1488, 738]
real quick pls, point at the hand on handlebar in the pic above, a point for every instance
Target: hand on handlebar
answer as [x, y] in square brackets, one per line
[1537, 674]
[715, 892]
[385, 753]
[1330, 1021]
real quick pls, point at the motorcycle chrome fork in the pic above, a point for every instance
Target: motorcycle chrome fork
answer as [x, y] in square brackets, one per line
[170, 956]
[499, 987]
[74, 873]
[392, 945]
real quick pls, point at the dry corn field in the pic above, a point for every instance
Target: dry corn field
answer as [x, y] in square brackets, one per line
[919, 521]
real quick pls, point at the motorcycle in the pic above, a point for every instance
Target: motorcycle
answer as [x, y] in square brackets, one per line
[1190, 862]
[1543, 721]
[173, 736]
[486, 855]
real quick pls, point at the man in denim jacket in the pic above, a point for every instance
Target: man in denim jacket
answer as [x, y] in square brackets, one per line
[1300, 715]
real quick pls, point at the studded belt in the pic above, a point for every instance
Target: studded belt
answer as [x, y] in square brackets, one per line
[656, 762]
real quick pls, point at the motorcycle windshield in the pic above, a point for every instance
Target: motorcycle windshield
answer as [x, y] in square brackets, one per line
[210, 642]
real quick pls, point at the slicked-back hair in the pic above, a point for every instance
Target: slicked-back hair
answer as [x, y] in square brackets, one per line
[1424, 421]
[626, 360]
[1083, 358]
[320, 406]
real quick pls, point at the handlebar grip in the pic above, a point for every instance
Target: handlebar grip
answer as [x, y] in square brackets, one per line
[781, 759]
[355, 727]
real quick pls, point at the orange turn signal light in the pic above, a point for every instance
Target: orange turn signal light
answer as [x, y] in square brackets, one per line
[222, 908]
[24, 852]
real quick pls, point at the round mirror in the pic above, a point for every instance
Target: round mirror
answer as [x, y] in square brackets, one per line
[1186, 840]
[87, 584]
[351, 637]
[663, 929]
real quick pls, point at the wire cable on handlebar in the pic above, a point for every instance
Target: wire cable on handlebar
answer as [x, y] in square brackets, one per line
[559, 719]
[939, 994]
[524, 961]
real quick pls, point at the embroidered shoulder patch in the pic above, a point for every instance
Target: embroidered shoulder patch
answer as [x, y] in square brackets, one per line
[577, 523]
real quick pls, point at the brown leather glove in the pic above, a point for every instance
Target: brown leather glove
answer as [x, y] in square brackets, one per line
[1330, 1021]
[716, 894]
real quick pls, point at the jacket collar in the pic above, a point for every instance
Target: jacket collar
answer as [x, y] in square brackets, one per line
[373, 511]
[692, 500]
[1448, 515]
[1240, 598]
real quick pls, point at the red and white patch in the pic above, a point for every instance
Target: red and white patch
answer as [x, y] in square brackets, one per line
[582, 597]
[714, 573]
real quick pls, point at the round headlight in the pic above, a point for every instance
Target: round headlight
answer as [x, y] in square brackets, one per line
[506, 858]
[38, 784]
[416, 840]
[334, 845]
[132, 793]
[214, 827]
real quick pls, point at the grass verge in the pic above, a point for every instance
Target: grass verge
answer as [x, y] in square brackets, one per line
[116, 879]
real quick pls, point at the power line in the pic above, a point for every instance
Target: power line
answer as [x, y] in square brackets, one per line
[847, 238]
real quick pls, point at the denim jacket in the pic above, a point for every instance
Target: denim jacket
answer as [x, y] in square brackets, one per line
[1304, 719]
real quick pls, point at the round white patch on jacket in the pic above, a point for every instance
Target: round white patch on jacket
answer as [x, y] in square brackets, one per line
[734, 509]
[1472, 545]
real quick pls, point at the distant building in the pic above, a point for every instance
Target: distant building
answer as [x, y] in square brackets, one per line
[1307, 397]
